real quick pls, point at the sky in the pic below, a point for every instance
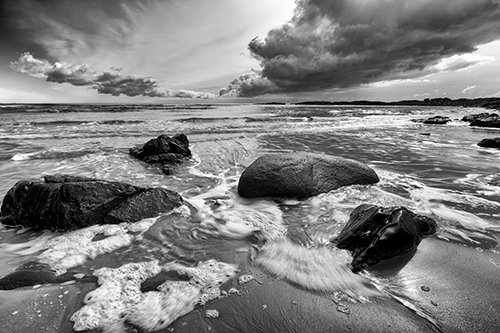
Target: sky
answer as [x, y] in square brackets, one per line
[163, 51]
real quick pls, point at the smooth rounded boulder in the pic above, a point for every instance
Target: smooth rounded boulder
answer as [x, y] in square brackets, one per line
[301, 175]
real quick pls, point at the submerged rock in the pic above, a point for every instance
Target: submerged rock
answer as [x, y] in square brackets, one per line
[299, 174]
[164, 151]
[490, 143]
[33, 273]
[374, 234]
[63, 202]
[436, 120]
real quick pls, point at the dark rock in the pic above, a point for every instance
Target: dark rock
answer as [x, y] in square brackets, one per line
[492, 120]
[33, 273]
[490, 143]
[62, 202]
[374, 234]
[301, 175]
[436, 120]
[164, 151]
[472, 117]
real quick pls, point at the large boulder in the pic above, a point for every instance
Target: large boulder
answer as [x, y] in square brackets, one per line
[490, 143]
[301, 175]
[374, 234]
[63, 202]
[164, 151]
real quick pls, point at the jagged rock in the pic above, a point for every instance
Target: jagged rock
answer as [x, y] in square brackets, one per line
[472, 117]
[63, 202]
[493, 120]
[164, 151]
[490, 143]
[374, 234]
[301, 175]
[436, 120]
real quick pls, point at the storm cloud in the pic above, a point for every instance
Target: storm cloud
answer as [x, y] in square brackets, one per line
[106, 82]
[346, 43]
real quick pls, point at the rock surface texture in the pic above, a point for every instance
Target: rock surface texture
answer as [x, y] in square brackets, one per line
[299, 175]
[164, 151]
[374, 234]
[63, 202]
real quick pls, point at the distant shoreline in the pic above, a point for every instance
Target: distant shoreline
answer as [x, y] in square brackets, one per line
[488, 102]
[485, 102]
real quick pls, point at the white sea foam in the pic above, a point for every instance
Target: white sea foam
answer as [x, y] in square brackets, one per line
[75, 248]
[23, 157]
[119, 298]
[319, 269]
[429, 201]
[238, 218]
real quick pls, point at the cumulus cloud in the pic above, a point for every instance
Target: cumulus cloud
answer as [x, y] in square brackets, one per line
[107, 82]
[344, 43]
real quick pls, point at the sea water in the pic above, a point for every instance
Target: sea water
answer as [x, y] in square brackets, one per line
[435, 170]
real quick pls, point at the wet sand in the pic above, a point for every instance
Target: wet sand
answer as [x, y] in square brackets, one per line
[452, 288]
[444, 287]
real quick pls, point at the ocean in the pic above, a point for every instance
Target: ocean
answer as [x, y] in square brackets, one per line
[434, 170]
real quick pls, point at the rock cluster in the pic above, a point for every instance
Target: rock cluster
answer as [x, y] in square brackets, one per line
[164, 151]
[483, 120]
[63, 202]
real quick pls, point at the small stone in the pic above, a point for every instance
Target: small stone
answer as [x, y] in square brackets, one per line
[234, 291]
[343, 308]
[294, 303]
[264, 307]
[425, 288]
[337, 297]
[434, 303]
[245, 278]
[15, 312]
[212, 313]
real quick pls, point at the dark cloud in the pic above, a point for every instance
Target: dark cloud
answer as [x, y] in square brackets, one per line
[72, 28]
[108, 82]
[344, 43]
